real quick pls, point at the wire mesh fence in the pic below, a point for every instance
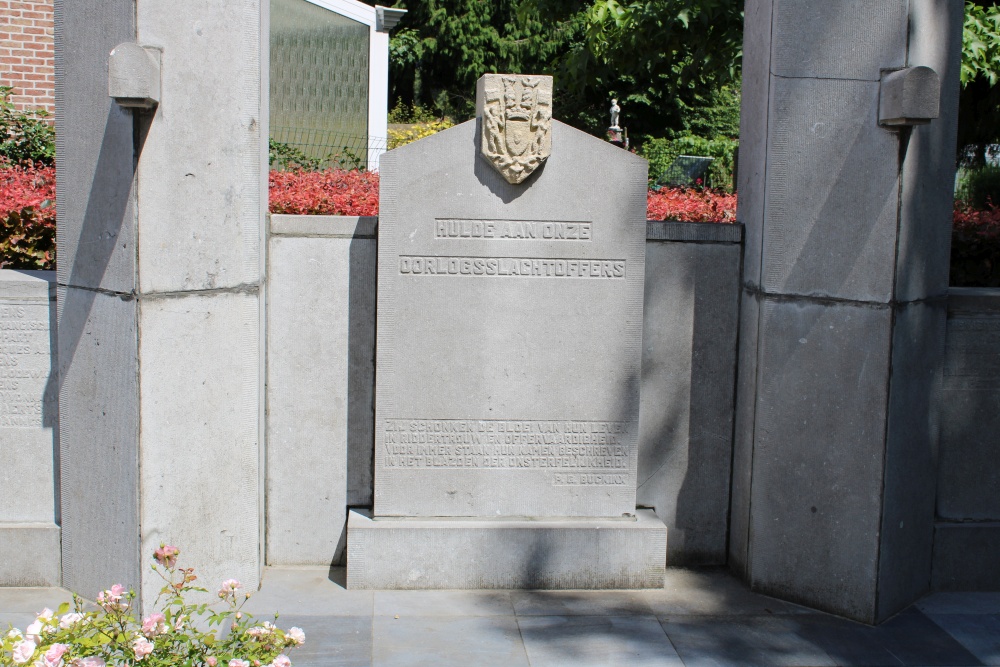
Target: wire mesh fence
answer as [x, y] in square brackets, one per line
[326, 149]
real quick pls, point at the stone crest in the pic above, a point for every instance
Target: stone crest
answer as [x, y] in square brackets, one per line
[516, 115]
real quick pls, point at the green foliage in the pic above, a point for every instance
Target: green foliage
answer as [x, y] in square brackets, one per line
[981, 43]
[980, 186]
[979, 99]
[659, 58]
[25, 136]
[661, 152]
[413, 113]
[443, 46]
[283, 156]
[28, 239]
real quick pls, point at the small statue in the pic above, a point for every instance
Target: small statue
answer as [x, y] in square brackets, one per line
[615, 111]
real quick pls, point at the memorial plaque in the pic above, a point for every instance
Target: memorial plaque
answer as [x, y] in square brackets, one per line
[509, 330]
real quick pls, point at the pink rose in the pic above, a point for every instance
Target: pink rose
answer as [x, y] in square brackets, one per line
[111, 599]
[23, 650]
[166, 555]
[53, 657]
[34, 631]
[229, 587]
[88, 662]
[154, 624]
[211, 661]
[69, 620]
[296, 635]
[236, 662]
[142, 647]
[281, 661]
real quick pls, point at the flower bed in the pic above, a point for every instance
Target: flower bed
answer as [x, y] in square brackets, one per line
[28, 215]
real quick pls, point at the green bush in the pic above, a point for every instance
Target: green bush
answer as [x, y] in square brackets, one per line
[979, 186]
[662, 152]
[25, 136]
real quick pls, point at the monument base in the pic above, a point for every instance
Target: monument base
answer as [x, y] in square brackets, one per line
[397, 553]
[29, 554]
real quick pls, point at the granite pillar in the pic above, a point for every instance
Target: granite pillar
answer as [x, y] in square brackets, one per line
[161, 216]
[842, 315]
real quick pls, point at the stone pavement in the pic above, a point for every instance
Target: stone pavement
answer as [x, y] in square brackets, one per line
[700, 618]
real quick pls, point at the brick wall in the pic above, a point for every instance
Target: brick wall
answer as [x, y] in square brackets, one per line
[26, 52]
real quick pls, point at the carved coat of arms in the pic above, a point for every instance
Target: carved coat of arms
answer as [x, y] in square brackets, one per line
[516, 114]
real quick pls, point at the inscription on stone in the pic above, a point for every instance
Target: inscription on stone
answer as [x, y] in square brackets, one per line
[513, 229]
[509, 331]
[24, 364]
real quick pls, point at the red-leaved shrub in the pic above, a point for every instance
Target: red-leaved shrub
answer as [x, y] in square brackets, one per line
[330, 192]
[975, 246]
[27, 217]
[690, 205]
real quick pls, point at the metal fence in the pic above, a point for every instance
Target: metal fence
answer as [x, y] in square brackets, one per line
[329, 148]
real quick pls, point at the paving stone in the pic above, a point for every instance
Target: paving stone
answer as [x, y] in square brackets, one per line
[331, 642]
[308, 592]
[960, 603]
[978, 633]
[601, 641]
[580, 603]
[767, 642]
[447, 642]
[443, 603]
[712, 592]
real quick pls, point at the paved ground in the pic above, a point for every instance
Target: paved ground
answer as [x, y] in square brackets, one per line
[700, 618]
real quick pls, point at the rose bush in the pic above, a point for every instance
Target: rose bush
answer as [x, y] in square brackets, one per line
[179, 634]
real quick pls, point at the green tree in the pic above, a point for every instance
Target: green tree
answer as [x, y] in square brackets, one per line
[979, 99]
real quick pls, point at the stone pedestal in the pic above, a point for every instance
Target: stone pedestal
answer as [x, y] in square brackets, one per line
[842, 316]
[508, 364]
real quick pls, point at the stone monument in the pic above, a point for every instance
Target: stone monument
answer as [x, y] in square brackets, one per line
[510, 293]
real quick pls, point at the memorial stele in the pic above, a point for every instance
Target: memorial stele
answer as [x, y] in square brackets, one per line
[510, 289]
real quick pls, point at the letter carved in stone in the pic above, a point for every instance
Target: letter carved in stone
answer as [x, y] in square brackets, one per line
[516, 114]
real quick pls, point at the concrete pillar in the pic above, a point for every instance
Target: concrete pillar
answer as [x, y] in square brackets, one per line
[842, 315]
[160, 277]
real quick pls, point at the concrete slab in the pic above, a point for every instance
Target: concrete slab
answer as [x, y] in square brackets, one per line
[99, 457]
[688, 372]
[200, 387]
[97, 233]
[840, 39]
[505, 554]
[634, 641]
[911, 455]
[320, 390]
[447, 642]
[935, 41]
[818, 455]
[212, 162]
[830, 226]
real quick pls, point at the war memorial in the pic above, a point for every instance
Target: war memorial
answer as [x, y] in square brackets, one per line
[509, 379]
